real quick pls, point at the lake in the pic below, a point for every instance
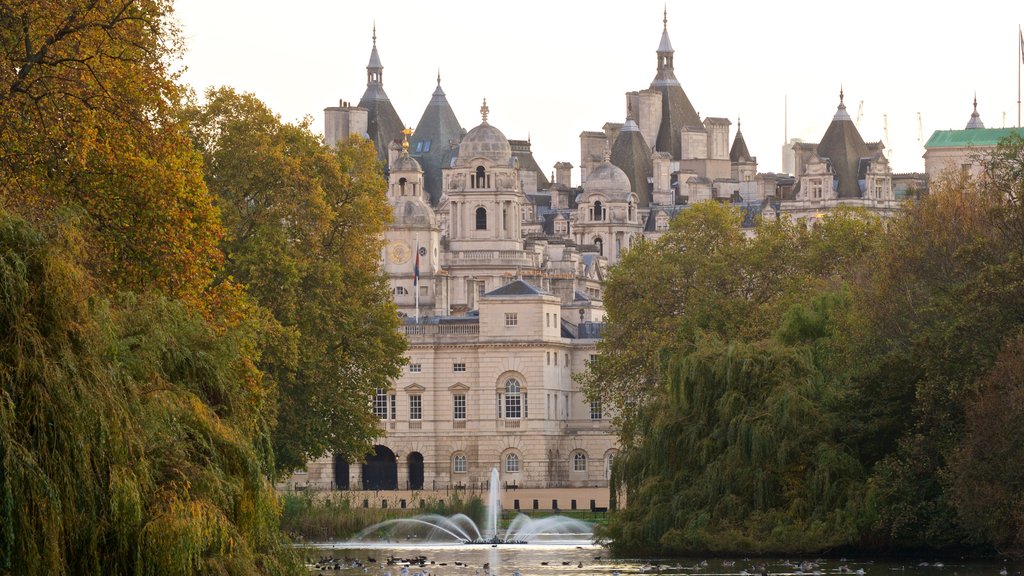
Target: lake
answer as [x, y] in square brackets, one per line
[578, 559]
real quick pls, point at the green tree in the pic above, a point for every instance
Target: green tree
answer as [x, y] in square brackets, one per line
[304, 225]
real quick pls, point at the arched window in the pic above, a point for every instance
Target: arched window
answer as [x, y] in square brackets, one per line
[459, 464]
[600, 246]
[609, 460]
[579, 462]
[481, 177]
[401, 186]
[481, 218]
[513, 399]
[512, 463]
[598, 211]
[630, 210]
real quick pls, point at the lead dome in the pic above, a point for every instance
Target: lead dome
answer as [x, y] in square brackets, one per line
[608, 180]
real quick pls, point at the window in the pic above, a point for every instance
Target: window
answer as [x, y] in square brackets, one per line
[598, 211]
[481, 218]
[816, 188]
[513, 399]
[556, 358]
[400, 291]
[394, 407]
[380, 404]
[600, 246]
[609, 460]
[549, 357]
[511, 318]
[480, 179]
[415, 407]
[661, 223]
[459, 367]
[459, 407]
[415, 368]
[459, 464]
[579, 462]
[512, 463]
[595, 410]
[547, 319]
[566, 355]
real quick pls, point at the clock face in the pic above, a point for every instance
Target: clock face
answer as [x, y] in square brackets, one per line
[400, 252]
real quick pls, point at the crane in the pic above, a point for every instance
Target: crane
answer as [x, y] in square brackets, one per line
[860, 112]
[885, 128]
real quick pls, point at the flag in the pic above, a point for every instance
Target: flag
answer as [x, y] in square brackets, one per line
[416, 267]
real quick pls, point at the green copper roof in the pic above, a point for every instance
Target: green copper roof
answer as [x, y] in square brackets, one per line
[964, 138]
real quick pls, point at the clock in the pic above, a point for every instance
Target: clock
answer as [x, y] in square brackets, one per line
[400, 252]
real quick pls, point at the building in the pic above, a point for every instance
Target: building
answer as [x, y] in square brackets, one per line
[498, 270]
[965, 150]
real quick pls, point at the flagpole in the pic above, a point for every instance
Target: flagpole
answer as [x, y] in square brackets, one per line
[416, 278]
[1020, 36]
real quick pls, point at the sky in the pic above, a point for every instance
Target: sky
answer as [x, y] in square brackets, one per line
[553, 69]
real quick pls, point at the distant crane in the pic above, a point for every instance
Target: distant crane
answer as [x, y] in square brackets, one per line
[885, 127]
[920, 131]
[860, 113]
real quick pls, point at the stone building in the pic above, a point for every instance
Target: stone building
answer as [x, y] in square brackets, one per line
[964, 150]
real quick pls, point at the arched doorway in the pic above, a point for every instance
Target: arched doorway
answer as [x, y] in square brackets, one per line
[340, 472]
[381, 470]
[415, 462]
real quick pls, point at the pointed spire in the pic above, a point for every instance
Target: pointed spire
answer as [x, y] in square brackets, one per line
[841, 113]
[739, 125]
[975, 121]
[484, 110]
[665, 45]
[374, 69]
[439, 76]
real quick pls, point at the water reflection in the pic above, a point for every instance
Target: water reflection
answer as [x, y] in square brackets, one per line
[561, 559]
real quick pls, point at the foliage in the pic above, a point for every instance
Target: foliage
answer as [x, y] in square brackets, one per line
[85, 102]
[304, 226]
[130, 428]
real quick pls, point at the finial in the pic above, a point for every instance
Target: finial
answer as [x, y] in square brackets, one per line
[664, 20]
[374, 33]
[438, 76]
[484, 110]
[975, 100]
[840, 94]
[405, 139]
[739, 123]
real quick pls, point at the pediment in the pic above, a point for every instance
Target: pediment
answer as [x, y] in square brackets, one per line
[414, 388]
[458, 387]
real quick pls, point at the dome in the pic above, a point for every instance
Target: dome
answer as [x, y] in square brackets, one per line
[406, 163]
[485, 141]
[412, 212]
[609, 180]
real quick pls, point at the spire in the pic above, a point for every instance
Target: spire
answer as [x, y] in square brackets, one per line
[484, 110]
[374, 69]
[666, 45]
[739, 151]
[841, 113]
[438, 92]
[975, 122]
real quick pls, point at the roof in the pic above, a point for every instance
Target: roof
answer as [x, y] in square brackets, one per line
[432, 142]
[518, 288]
[977, 137]
[633, 156]
[739, 152]
[521, 150]
[844, 147]
[676, 110]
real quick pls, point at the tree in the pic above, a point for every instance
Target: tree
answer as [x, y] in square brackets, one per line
[85, 102]
[304, 227]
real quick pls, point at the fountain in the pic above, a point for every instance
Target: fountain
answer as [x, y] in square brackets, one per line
[461, 529]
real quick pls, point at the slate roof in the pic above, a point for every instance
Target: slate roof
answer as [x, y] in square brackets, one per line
[383, 124]
[844, 147]
[518, 288]
[432, 143]
[521, 150]
[676, 110]
[633, 156]
[739, 152]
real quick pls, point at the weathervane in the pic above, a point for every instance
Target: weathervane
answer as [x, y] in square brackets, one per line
[405, 139]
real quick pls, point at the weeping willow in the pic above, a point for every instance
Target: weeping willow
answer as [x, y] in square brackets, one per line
[740, 455]
[133, 432]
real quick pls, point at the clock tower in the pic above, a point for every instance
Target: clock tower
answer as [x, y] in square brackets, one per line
[412, 252]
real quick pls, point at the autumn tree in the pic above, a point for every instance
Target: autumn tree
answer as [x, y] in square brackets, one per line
[304, 226]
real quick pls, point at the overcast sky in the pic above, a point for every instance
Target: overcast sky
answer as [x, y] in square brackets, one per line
[552, 69]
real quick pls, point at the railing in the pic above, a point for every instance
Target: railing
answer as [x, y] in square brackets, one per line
[462, 329]
[496, 256]
[458, 423]
[508, 424]
[415, 425]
